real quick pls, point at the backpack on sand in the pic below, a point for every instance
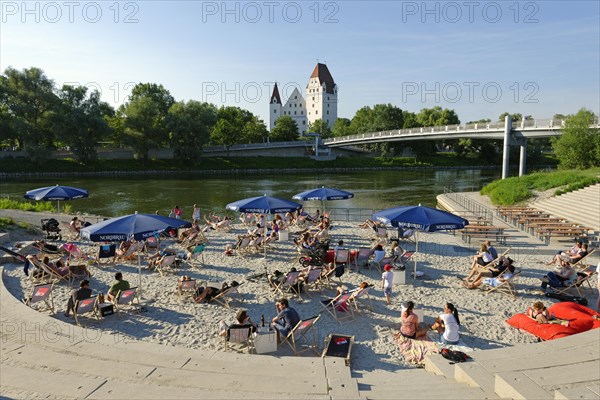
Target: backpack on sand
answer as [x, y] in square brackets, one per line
[454, 355]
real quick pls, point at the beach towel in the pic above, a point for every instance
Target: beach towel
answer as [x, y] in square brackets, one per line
[415, 351]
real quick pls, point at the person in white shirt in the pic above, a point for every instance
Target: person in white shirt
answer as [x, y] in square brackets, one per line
[448, 324]
[387, 281]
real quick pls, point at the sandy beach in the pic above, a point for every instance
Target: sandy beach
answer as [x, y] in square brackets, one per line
[443, 258]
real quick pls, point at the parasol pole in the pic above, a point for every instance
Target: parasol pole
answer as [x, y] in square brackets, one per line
[416, 253]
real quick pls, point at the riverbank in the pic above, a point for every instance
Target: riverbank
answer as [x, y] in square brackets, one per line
[443, 259]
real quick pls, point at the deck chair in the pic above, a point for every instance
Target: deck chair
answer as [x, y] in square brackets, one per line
[244, 247]
[187, 288]
[153, 242]
[50, 274]
[240, 335]
[72, 232]
[341, 308]
[41, 293]
[342, 257]
[507, 286]
[362, 297]
[404, 258]
[289, 283]
[362, 257]
[75, 253]
[165, 265]
[582, 278]
[131, 253]
[197, 257]
[127, 297]
[581, 263]
[312, 280]
[301, 336]
[226, 296]
[106, 251]
[76, 272]
[381, 233]
[85, 306]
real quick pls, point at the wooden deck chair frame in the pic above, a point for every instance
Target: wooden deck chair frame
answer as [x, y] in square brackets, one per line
[186, 287]
[496, 260]
[86, 306]
[132, 293]
[50, 273]
[239, 335]
[362, 296]
[165, 264]
[312, 280]
[244, 247]
[226, 296]
[362, 254]
[302, 333]
[290, 279]
[405, 258]
[130, 254]
[341, 300]
[507, 286]
[42, 293]
[78, 271]
[197, 256]
[342, 257]
[580, 281]
[107, 251]
[580, 264]
[381, 232]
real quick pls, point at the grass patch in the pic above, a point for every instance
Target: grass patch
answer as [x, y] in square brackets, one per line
[9, 224]
[519, 189]
[38, 206]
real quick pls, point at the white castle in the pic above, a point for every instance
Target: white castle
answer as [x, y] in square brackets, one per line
[321, 101]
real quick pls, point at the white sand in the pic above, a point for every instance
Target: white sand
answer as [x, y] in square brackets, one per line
[443, 258]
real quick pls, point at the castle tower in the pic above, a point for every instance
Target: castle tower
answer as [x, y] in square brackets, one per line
[275, 107]
[321, 96]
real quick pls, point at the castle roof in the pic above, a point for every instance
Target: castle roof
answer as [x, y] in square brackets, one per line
[275, 94]
[322, 73]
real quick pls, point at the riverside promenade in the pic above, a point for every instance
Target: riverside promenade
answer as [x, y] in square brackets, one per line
[42, 357]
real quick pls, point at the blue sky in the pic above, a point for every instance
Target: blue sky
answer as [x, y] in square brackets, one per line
[478, 58]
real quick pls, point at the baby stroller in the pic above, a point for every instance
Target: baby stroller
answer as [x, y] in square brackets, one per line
[52, 229]
[315, 257]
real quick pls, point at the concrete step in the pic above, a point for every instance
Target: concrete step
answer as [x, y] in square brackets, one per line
[475, 375]
[584, 392]
[438, 365]
[447, 391]
[517, 385]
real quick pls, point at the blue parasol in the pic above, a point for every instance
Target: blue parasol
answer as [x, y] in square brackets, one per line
[58, 193]
[323, 194]
[263, 205]
[136, 226]
[420, 218]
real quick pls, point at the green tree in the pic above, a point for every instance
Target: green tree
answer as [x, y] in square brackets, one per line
[255, 130]
[145, 115]
[189, 126]
[513, 117]
[285, 130]
[341, 127]
[579, 145]
[437, 116]
[225, 133]
[410, 120]
[381, 117]
[82, 121]
[320, 127]
[29, 107]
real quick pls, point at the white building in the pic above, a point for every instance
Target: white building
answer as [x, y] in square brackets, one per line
[320, 101]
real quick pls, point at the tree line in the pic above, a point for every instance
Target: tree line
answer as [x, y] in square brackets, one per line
[36, 116]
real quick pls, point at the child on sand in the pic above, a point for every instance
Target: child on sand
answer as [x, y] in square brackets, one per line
[387, 280]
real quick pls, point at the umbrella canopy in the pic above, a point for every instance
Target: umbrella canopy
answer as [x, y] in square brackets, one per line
[264, 205]
[136, 226]
[323, 194]
[57, 193]
[420, 218]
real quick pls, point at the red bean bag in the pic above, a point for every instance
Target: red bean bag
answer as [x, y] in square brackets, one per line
[580, 319]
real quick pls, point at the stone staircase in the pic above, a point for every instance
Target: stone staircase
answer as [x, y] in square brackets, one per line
[44, 357]
[581, 206]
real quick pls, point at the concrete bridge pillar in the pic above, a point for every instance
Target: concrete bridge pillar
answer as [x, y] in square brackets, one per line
[506, 150]
[522, 157]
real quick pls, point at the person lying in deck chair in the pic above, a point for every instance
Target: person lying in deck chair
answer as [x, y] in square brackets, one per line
[488, 272]
[563, 259]
[567, 253]
[483, 257]
[559, 278]
[493, 282]
[205, 294]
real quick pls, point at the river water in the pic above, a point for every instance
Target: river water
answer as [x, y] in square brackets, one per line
[372, 189]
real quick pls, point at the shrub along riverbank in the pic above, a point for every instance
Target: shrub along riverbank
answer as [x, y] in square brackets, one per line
[516, 190]
[235, 164]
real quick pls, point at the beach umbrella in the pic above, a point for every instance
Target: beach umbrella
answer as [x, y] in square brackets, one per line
[323, 194]
[263, 205]
[132, 226]
[420, 218]
[58, 193]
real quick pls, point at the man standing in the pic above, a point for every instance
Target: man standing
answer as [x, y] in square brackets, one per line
[286, 319]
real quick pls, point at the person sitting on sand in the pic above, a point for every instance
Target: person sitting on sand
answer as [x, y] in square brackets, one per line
[206, 294]
[76, 224]
[243, 321]
[483, 257]
[448, 325]
[493, 282]
[410, 323]
[117, 286]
